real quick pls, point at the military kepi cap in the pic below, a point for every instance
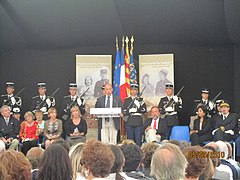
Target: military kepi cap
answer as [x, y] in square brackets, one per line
[205, 90]
[9, 84]
[133, 86]
[169, 85]
[224, 103]
[103, 87]
[72, 86]
[218, 102]
[41, 85]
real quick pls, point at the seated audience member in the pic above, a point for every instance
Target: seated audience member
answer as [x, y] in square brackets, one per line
[230, 160]
[55, 164]
[117, 169]
[76, 127]
[215, 162]
[184, 144]
[52, 127]
[155, 128]
[97, 160]
[210, 167]
[168, 162]
[225, 125]
[196, 165]
[75, 158]
[221, 167]
[9, 128]
[17, 116]
[202, 127]
[2, 146]
[62, 142]
[17, 165]
[148, 150]
[127, 141]
[223, 156]
[41, 122]
[133, 159]
[34, 156]
[28, 132]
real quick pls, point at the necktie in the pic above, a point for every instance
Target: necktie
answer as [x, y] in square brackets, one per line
[72, 98]
[224, 117]
[108, 102]
[155, 124]
[7, 121]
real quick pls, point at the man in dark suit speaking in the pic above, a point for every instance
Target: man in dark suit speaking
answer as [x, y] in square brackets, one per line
[108, 126]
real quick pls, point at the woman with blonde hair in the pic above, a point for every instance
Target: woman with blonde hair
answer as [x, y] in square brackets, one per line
[52, 127]
[75, 159]
[28, 132]
[76, 127]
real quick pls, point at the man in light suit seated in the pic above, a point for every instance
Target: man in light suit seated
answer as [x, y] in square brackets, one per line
[155, 128]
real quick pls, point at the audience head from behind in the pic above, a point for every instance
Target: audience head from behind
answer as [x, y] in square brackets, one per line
[148, 150]
[62, 142]
[127, 141]
[168, 162]
[97, 159]
[17, 165]
[34, 155]
[55, 164]
[133, 157]
[196, 164]
[3, 172]
[223, 149]
[75, 158]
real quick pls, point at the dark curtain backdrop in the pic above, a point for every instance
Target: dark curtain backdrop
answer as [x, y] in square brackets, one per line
[196, 67]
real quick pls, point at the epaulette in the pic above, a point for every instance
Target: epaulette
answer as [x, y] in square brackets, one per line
[3, 95]
[67, 96]
[35, 97]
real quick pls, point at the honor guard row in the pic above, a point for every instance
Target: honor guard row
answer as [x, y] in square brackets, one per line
[43, 101]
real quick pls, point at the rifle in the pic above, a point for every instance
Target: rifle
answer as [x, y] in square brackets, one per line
[8, 102]
[171, 102]
[52, 95]
[215, 98]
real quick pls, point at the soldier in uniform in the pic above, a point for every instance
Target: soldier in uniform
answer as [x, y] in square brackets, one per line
[204, 101]
[42, 101]
[72, 100]
[99, 84]
[169, 107]
[14, 102]
[134, 107]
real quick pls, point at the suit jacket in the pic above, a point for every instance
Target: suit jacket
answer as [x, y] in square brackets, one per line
[67, 101]
[161, 129]
[230, 123]
[172, 120]
[134, 120]
[206, 127]
[10, 131]
[115, 103]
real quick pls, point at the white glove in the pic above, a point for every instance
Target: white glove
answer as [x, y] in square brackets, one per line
[210, 104]
[48, 102]
[79, 101]
[132, 110]
[136, 102]
[175, 98]
[13, 100]
[169, 109]
[43, 109]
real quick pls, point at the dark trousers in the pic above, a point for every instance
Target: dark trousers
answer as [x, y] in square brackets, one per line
[169, 132]
[221, 136]
[197, 139]
[135, 133]
[28, 145]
